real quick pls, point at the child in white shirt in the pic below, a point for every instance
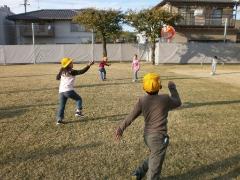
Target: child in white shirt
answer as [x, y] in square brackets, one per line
[67, 76]
[214, 65]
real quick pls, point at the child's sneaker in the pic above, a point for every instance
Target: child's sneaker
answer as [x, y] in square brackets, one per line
[79, 114]
[136, 176]
[60, 121]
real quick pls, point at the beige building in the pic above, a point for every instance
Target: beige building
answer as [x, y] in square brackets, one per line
[203, 20]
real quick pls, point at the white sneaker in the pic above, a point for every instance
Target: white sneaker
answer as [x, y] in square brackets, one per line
[60, 122]
[79, 114]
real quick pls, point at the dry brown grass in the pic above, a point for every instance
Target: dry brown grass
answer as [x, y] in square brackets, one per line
[204, 133]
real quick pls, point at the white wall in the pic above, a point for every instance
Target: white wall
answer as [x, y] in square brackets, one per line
[196, 52]
[62, 35]
[165, 52]
[53, 53]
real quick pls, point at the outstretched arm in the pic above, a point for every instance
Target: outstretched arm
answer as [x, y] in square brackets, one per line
[129, 119]
[82, 71]
[175, 100]
[58, 77]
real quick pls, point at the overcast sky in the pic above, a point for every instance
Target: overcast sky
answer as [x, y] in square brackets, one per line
[78, 4]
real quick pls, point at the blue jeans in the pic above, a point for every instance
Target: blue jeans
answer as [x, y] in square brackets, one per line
[63, 97]
[102, 73]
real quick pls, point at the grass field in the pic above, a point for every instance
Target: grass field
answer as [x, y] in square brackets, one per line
[204, 132]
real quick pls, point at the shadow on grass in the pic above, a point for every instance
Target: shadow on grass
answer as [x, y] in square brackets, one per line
[104, 83]
[179, 78]
[219, 74]
[231, 175]
[36, 75]
[117, 117]
[170, 77]
[29, 90]
[12, 113]
[211, 168]
[56, 88]
[42, 153]
[119, 79]
[193, 105]
[19, 108]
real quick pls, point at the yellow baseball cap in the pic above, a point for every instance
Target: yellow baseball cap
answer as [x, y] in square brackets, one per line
[151, 82]
[65, 62]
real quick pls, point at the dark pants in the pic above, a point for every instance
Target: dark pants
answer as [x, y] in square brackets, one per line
[157, 144]
[135, 75]
[103, 73]
[63, 97]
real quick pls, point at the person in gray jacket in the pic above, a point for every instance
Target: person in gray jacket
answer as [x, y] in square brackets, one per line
[154, 107]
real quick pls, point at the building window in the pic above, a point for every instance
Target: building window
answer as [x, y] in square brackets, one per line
[217, 17]
[77, 28]
[217, 13]
[41, 27]
[188, 15]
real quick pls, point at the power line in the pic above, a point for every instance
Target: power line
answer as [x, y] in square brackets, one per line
[25, 4]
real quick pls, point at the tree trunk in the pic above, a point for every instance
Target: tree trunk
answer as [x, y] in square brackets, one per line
[104, 43]
[153, 47]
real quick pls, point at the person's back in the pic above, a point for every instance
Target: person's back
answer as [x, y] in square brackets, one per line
[154, 107]
[155, 111]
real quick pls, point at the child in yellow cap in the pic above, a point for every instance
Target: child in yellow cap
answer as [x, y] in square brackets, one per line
[67, 76]
[154, 107]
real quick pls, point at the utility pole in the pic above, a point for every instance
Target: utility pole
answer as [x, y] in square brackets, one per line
[25, 4]
[38, 5]
[225, 29]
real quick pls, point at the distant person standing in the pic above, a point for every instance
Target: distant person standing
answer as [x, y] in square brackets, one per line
[214, 65]
[102, 69]
[135, 67]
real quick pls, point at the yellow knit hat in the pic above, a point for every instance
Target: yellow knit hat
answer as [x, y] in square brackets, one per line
[151, 82]
[65, 62]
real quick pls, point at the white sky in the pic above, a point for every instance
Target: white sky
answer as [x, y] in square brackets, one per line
[78, 4]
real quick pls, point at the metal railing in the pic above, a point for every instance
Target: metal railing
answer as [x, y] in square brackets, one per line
[207, 20]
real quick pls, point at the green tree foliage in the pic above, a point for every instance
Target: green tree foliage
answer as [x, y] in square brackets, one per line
[151, 21]
[106, 23]
[128, 37]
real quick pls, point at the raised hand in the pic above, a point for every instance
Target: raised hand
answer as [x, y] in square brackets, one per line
[91, 63]
[171, 84]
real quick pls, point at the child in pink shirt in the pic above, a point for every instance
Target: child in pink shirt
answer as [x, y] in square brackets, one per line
[135, 67]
